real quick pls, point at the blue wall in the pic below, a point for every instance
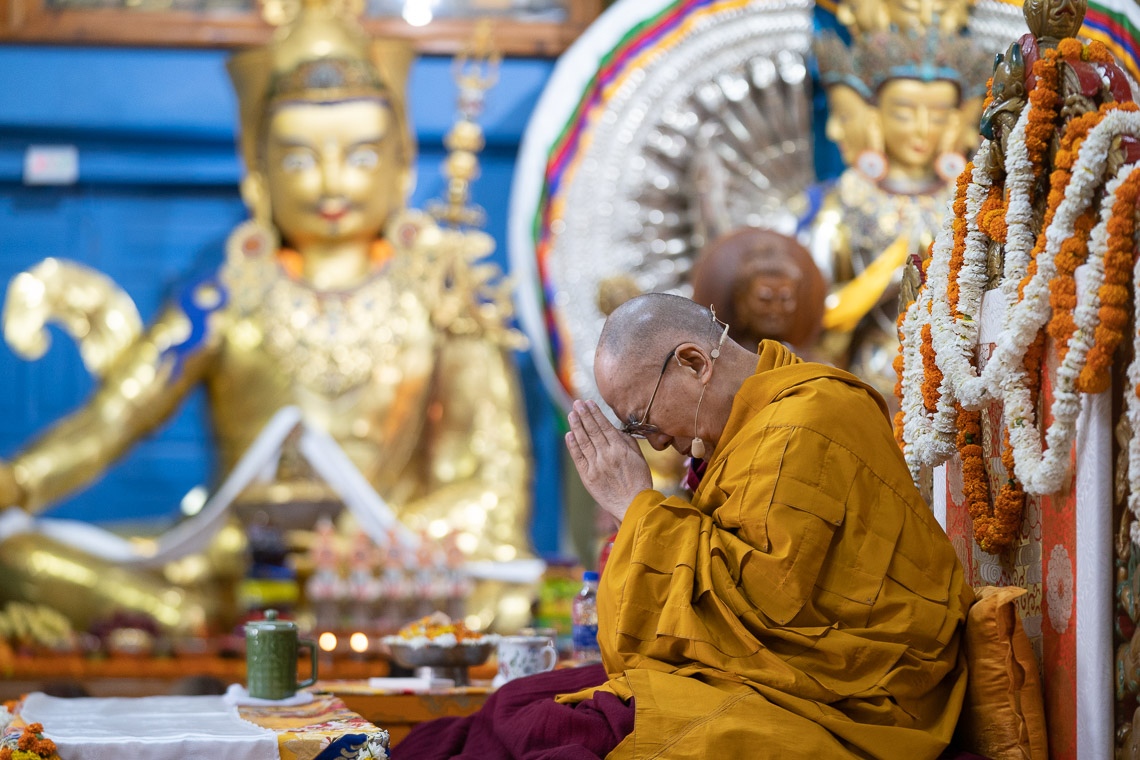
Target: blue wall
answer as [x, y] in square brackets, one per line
[156, 197]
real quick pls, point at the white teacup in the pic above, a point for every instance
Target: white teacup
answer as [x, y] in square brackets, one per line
[524, 656]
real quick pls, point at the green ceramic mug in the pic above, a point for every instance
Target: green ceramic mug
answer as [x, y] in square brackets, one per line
[271, 658]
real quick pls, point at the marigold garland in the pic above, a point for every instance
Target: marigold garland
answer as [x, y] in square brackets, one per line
[906, 349]
[1115, 296]
[991, 216]
[1044, 105]
[1094, 52]
[1077, 130]
[1050, 227]
[1063, 286]
[1074, 250]
[975, 481]
[998, 529]
[958, 252]
[931, 375]
[1000, 532]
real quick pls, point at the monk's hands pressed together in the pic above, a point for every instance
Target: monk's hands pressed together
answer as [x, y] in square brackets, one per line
[610, 462]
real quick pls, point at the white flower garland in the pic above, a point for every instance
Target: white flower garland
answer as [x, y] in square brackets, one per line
[914, 422]
[1132, 409]
[924, 444]
[929, 439]
[1021, 219]
[956, 340]
[1042, 472]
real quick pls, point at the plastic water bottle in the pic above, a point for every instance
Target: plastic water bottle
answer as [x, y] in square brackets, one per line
[584, 614]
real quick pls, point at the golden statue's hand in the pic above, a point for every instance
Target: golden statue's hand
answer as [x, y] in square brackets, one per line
[11, 492]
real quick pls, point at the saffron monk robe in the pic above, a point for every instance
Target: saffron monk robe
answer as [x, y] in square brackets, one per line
[804, 604]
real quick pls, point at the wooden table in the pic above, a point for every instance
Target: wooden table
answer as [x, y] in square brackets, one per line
[399, 712]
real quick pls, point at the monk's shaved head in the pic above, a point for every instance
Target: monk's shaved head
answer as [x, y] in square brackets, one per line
[645, 328]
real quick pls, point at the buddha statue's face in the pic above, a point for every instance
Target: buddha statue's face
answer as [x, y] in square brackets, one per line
[765, 297]
[846, 121]
[917, 120]
[1054, 19]
[335, 172]
[949, 16]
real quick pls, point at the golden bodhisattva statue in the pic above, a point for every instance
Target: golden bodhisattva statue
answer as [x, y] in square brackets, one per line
[372, 320]
[887, 207]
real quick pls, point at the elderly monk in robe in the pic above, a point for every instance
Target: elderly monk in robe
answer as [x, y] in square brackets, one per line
[803, 604]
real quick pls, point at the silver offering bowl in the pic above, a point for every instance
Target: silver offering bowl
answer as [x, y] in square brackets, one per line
[434, 661]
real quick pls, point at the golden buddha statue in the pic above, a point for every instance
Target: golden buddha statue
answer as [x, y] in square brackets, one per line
[377, 324]
[846, 126]
[848, 99]
[949, 18]
[887, 207]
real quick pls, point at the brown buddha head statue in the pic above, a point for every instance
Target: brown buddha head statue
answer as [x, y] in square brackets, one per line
[327, 147]
[764, 284]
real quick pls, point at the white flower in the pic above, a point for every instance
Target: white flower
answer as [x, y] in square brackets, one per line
[929, 439]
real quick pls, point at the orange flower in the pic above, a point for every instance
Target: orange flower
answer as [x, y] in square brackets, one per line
[931, 375]
[1063, 287]
[1005, 525]
[991, 216]
[899, 364]
[1074, 134]
[32, 741]
[1044, 102]
[1097, 52]
[996, 526]
[1115, 296]
[1071, 48]
[989, 94]
[975, 483]
[958, 252]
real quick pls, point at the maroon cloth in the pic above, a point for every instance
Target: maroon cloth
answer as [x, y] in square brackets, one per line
[695, 470]
[521, 721]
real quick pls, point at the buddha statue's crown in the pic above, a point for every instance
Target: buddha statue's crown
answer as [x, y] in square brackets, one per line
[318, 54]
[836, 62]
[875, 58]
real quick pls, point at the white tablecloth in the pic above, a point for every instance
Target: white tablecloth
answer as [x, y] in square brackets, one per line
[155, 728]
